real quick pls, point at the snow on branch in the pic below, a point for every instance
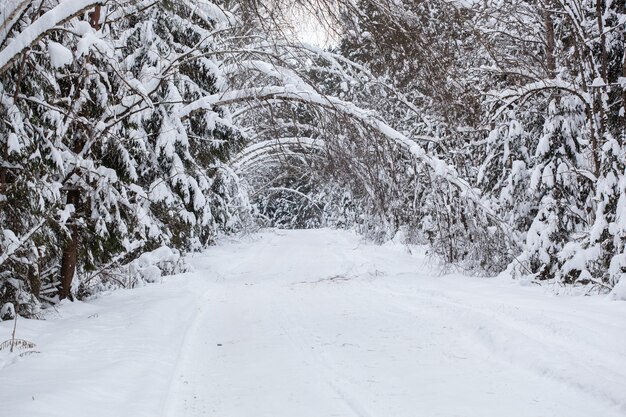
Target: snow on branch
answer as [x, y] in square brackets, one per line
[253, 151]
[10, 13]
[296, 192]
[512, 95]
[52, 18]
[265, 159]
[16, 243]
[287, 76]
[368, 118]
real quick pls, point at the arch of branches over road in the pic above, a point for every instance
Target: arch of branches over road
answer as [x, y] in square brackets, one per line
[128, 126]
[525, 101]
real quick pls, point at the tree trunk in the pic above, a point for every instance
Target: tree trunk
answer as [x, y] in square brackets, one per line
[94, 18]
[550, 44]
[34, 280]
[70, 253]
[601, 93]
[621, 139]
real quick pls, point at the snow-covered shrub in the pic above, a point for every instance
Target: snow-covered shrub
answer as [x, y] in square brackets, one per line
[151, 266]
[619, 290]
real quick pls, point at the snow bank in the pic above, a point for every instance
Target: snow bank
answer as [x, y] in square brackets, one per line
[112, 356]
[619, 291]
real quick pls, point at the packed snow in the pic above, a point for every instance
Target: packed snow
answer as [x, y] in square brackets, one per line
[319, 323]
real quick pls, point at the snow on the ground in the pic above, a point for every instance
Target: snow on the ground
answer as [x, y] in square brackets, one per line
[320, 324]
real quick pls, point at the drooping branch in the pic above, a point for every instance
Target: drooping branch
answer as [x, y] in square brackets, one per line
[255, 150]
[16, 244]
[42, 26]
[353, 112]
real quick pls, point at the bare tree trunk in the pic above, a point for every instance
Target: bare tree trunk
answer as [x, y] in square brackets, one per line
[601, 94]
[70, 252]
[550, 43]
[621, 137]
[34, 280]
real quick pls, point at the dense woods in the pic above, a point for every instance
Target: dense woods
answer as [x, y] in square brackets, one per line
[133, 132]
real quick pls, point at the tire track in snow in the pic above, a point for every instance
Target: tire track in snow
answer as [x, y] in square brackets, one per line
[179, 386]
[303, 342]
[524, 344]
[377, 347]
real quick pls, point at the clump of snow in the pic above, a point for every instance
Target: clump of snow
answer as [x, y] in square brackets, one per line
[619, 291]
[88, 41]
[151, 273]
[60, 56]
[66, 213]
[7, 312]
[13, 143]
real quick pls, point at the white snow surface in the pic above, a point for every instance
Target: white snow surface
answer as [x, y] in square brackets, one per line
[318, 323]
[60, 56]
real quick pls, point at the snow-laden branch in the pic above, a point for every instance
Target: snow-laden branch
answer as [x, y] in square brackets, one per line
[54, 17]
[368, 118]
[285, 75]
[9, 14]
[339, 66]
[253, 151]
[265, 159]
[17, 243]
[509, 96]
[296, 192]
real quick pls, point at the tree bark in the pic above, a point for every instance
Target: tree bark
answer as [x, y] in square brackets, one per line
[70, 253]
[621, 139]
[34, 275]
[550, 43]
[601, 94]
[94, 18]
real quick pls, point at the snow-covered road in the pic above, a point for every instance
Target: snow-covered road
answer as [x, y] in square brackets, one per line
[320, 324]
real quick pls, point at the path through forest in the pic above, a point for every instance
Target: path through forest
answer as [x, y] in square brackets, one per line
[320, 324]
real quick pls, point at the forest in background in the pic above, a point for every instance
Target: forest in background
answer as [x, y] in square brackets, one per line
[133, 132]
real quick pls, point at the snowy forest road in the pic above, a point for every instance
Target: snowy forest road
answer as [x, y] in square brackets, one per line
[313, 323]
[318, 323]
